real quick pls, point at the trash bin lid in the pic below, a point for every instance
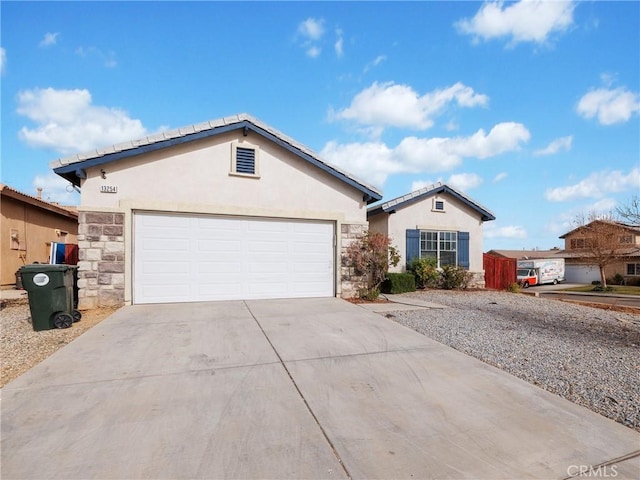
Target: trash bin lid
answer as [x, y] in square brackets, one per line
[45, 267]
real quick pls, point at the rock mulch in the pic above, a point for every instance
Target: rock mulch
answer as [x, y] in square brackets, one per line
[21, 348]
[587, 355]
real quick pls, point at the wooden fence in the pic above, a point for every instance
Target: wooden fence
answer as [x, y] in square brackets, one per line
[499, 272]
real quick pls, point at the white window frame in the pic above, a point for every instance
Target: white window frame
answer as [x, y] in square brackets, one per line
[636, 268]
[234, 154]
[435, 203]
[440, 234]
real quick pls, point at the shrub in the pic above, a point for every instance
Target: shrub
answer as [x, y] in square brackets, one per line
[601, 288]
[617, 279]
[399, 283]
[454, 277]
[371, 256]
[426, 271]
[514, 287]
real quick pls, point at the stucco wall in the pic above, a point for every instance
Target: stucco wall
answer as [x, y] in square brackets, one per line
[36, 230]
[195, 178]
[456, 217]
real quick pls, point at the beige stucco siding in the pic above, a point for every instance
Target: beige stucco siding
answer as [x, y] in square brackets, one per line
[457, 217]
[195, 177]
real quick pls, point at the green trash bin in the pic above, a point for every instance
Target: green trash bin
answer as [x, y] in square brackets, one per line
[50, 289]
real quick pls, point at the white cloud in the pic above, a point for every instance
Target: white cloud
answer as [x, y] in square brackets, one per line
[339, 45]
[609, 105]
[310, 32]
[3, 60]
[559, 144]
[49, 39]
[376, 61]
[311, 28]
[67, 122]
[390, 104]
[375, 161]
[314, 51]
[56, 189]
[460, 181]
[499, 177]
[523, 21]
[596, 185]
[492, 230]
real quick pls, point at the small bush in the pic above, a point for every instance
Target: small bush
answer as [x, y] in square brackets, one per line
[617, 279]
[602, 288]
[399, 283]
[514, 287]
[426, 271]
[596, 282]
[369, 294]
[454, 277]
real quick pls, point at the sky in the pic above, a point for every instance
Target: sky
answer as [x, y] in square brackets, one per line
[531, 108]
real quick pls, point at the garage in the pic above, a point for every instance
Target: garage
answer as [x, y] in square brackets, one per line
[188, 258]
[581, 273]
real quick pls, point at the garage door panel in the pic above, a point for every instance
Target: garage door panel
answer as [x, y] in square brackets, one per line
[181, 258]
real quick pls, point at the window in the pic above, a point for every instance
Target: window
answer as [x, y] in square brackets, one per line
[633, 269]
[440, 245]
[244, 160]
[626, 239]
[577, 243]
[438, 205]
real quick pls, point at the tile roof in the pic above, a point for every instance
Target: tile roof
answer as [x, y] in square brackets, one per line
[439, 187]
[67, 211]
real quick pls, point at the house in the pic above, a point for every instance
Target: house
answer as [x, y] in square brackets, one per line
[29, 226]
[616, 240]
[438, 221]
[226, 209]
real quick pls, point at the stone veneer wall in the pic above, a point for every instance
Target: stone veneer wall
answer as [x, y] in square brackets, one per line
[351, 283]
[100, 259]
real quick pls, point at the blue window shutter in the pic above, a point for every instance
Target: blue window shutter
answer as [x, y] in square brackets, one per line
[413, 245]
[463, 249]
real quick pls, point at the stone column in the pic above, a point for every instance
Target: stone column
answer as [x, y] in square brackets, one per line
[351, 283]
[101, 259]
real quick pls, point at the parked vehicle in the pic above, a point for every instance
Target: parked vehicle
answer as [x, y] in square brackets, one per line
[540, 271]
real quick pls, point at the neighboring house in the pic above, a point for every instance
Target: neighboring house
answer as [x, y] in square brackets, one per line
[227, 209]
[579, 264]
[436, 221]
[29, 226]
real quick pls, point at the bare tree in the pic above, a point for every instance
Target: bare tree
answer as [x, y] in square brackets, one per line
[598, 238]
[631, 212]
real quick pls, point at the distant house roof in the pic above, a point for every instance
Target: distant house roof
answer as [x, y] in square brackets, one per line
[632, 228]
[526, 254]
[7, 191]
[401, 202]
[72, 168]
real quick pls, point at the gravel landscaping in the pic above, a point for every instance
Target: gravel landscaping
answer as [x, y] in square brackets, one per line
[21, 348]
[587, 355]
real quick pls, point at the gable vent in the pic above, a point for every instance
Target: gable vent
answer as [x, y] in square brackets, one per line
[245, 160]
[439, 205]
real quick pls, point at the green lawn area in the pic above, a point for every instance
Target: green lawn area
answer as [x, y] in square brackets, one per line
[619, 289]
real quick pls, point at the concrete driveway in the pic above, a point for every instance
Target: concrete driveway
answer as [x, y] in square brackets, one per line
[309, 388]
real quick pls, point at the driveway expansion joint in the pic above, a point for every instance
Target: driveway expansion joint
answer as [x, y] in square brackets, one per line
[304, 400]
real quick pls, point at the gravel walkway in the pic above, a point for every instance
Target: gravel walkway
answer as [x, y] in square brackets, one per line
[586, 355]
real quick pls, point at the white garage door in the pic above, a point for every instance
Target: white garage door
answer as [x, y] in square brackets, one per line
[186, 258]
[581, 274]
